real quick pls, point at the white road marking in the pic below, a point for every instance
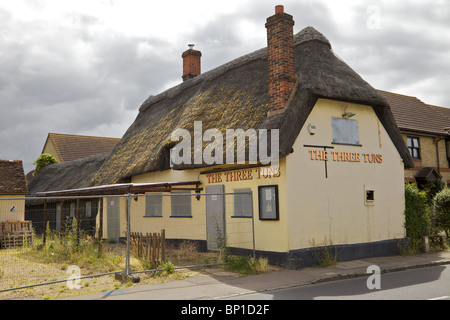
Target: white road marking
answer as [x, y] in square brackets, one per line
[440, 298]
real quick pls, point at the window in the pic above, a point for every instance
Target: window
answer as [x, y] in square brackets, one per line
[268, 202]
[243, 206]
[88, 209]
[181, 204]
[72, 209]
[345, 131]
[369, 195]
[153, 205]
[414, 147]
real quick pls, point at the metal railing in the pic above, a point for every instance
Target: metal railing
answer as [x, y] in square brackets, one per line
[101, 224]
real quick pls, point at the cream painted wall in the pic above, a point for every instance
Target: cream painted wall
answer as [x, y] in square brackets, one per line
[7, 202]
[269, 235]
[334, 208]
[311, 207]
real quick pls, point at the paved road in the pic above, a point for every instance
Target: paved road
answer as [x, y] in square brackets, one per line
[416, 284]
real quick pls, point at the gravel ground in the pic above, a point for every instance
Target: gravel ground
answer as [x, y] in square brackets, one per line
[19, 268]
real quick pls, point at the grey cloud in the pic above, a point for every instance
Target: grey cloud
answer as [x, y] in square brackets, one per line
[81, 80]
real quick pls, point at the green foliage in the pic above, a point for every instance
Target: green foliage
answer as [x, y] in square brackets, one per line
[417, 219]
[247, 265]
[325, 254]
[224, 251]
[441, 210]
[166, 269]
[431, 188]
[43, 160]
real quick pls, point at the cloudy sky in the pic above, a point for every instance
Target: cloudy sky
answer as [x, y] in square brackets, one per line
[86, 66]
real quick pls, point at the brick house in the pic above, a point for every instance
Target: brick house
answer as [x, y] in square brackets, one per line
[426, 131]
[12, 185]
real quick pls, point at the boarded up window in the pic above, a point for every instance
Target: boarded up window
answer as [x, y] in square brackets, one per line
[243, 206]
[153, 205]
[181, 204]
[345, 131]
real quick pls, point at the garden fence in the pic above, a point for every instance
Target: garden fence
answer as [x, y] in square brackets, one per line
[44, 238]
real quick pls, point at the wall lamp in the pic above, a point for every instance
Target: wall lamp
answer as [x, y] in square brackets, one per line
[346, 114]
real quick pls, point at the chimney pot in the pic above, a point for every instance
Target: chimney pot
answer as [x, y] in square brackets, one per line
[279, 9]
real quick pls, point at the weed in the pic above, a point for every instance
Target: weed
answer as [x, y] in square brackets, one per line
[247, 265]
[324, 254]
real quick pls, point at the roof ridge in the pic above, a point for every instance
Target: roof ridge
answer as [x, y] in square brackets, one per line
[305, 35]
[400, 94]
[81, 135]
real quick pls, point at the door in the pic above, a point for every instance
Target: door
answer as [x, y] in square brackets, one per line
[113, 219]
[215, 217]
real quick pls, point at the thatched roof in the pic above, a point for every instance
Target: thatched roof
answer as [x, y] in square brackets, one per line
[69, 175]
[235, 96]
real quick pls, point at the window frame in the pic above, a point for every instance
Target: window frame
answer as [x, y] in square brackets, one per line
[158, 198]
[173, 206]
[336, 139]
[239, 213]
[413, 148]
[88, 209]
[262, 194]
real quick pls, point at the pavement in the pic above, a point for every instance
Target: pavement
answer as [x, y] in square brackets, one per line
[215, 283]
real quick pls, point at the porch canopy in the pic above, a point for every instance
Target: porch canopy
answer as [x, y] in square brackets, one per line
[125, 188]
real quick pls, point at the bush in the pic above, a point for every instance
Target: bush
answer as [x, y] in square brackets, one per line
[441, 210]
[417, 218]
[44, 160]
[431, 188]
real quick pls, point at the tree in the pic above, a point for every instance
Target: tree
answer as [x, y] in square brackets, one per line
[44, 160]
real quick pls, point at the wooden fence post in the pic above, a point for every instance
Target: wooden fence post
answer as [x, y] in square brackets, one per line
[163, 245]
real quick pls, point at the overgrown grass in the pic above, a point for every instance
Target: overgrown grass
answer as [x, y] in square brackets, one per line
[247, 265]
[72, 248]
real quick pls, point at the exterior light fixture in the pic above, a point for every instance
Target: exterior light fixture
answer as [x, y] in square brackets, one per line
[346, 114]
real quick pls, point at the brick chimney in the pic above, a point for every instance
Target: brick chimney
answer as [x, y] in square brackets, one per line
[191, 63]
[280, 54]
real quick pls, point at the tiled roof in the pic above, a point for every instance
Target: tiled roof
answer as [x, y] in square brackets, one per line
[71, 147]
[12, 177]
[413, 115]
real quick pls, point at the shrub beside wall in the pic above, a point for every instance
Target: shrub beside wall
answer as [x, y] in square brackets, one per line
[417, 218]
[441, 210]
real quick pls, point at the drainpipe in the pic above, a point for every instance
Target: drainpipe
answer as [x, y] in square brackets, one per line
[437, 139]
